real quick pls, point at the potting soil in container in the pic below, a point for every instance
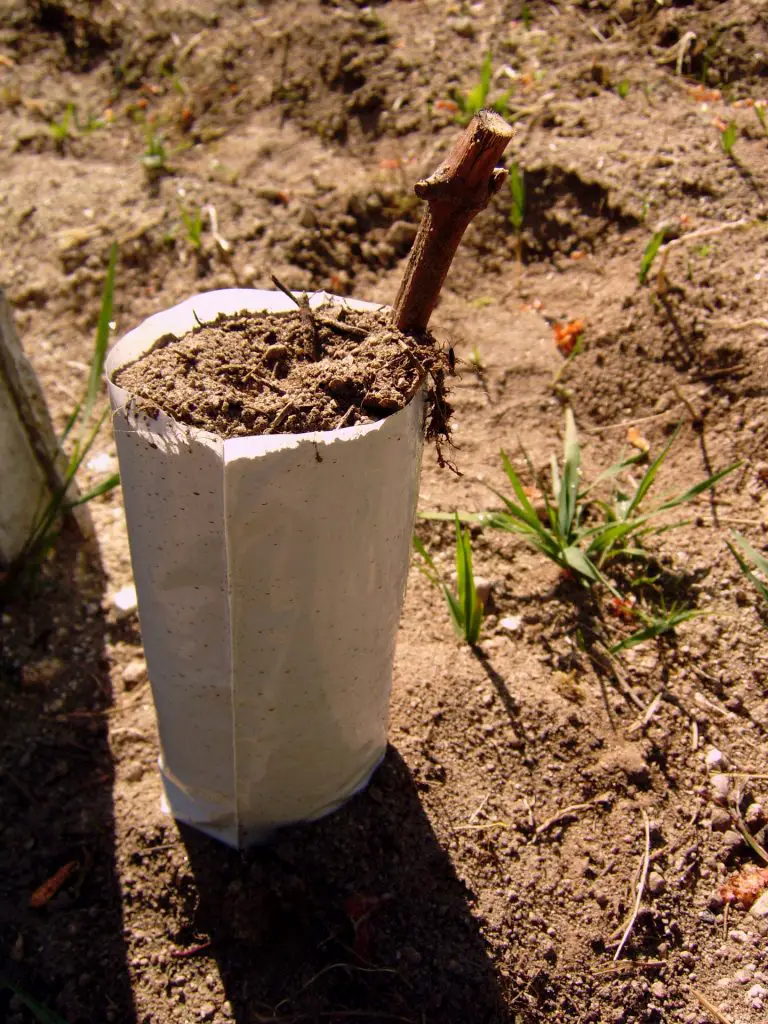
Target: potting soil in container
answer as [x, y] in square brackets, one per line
[312, 369]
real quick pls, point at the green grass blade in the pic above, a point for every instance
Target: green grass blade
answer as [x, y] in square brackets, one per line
[703, 485]
[567, 498]
[71, 421]
[758, 561]
[615, 469]
[468, 599]
[456, 612]
[576, 559]
[607, 534]
[39, 1011]
[517, 188]
[650, 474]
[554, 472]
[525, 510]
[650, 254]
[484, 87]
[104, 487]
[528, 525]
[656, 627]
[479, 518]
[102, 334]
[429, 569]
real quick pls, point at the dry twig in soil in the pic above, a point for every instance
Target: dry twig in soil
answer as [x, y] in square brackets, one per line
[640, 887]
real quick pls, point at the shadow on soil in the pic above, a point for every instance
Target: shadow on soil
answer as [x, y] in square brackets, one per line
[56, 811]
[356, 917]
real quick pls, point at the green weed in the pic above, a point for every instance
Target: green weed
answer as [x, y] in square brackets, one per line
[762, 117]
[465, 606]
[650, 253]
[622, 89]
[476, 360]
[70, 124]
[477, 98]
[193, 226]
[81, 429]
[750, 560]
[517, 209]
[155, 156]
[656, 621]
[582, 534]
[527, 17]
[728, 137]
[62, 129]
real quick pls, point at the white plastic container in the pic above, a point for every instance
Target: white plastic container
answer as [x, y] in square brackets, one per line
[270, 574]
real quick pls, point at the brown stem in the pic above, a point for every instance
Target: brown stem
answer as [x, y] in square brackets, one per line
[461, 187]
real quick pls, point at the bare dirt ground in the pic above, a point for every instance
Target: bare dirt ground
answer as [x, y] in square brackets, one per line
[489, 872]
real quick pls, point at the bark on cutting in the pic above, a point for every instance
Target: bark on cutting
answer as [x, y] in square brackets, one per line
[456, 192]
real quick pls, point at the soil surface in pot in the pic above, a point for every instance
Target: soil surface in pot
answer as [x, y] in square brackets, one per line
[312, 369]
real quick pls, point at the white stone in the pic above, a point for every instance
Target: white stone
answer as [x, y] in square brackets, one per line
[134, 673]
[755, 996]
[760, 907]
[754, 816]
[511, 623]
[721, 788]
[124, 601]
[716, 760]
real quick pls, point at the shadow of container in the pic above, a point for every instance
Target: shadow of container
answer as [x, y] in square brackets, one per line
[359, 916]
[56, 810]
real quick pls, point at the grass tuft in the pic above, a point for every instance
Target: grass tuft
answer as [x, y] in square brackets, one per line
[465, 606]
[476, 99]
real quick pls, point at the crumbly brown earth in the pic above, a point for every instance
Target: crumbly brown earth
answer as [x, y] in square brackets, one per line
[256, 373]
[491, 870]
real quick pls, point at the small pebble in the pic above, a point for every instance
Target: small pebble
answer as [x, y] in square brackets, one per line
[124, 601]
[756, 996]
[511, 623]
[731, 841]
[754, 816]
[463, 27]
[207, 1011]
[659, 990]
[657, 883]
[134, 673]
[737, 935]
[744, 974]
[721, 819]
[760, 907]
[716, 760]
[721, 788]
[134, 772]
[483, 588]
